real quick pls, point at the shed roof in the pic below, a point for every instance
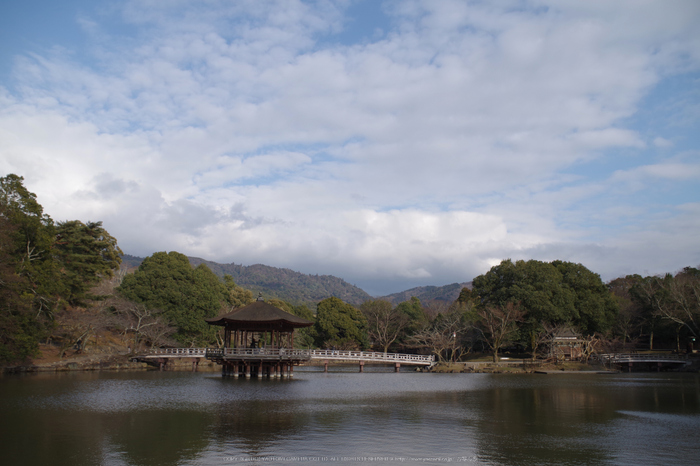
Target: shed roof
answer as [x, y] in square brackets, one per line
[259, 312]
[565, 333]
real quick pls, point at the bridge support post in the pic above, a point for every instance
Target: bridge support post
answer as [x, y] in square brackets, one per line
[260, 371]
[325, 365]
[291, 370]
[247, 370]
[629, 368]
[658, 367]
[397, 366]
[362, 366]
[236, 369]
[195, 364]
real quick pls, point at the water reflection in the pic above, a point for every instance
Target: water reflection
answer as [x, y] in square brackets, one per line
[185, 418]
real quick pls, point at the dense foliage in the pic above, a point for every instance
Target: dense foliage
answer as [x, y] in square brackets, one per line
[44, 267]
[187, 295]
[340, 325]
[555, 293]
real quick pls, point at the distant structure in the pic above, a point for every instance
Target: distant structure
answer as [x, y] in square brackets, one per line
[258, 341]
[566, 344]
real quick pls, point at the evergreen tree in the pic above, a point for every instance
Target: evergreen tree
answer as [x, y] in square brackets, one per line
[187, 296]
[340, 325]
[87, 254]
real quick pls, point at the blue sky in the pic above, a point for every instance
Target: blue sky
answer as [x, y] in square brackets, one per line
[393, 144]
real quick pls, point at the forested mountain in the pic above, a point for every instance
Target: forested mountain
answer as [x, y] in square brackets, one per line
[447, 293]
[285, 284]
[298, 288]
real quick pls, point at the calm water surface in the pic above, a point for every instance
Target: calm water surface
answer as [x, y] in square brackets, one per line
[164, 418]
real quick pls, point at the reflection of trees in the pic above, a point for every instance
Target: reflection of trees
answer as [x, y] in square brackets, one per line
[158, 437]
[546, 423]
[252, 425]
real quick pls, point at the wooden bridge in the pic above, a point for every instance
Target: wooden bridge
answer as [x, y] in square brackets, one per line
[629, 359]
[278, 359]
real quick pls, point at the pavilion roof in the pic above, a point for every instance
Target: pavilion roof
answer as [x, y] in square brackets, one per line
[260, 313]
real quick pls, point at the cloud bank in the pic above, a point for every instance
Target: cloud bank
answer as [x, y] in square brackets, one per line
[422, 150]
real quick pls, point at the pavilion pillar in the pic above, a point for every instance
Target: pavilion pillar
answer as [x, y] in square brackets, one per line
[283, 371]
[247, 370]
[260, 371]
[291, 370]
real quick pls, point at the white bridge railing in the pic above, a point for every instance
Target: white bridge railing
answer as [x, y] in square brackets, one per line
[287, 353]
[339, 355]
[642, 357]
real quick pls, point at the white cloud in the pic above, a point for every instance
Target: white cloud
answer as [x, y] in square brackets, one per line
[241, 131]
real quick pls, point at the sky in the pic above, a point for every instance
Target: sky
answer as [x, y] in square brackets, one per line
[393, 144]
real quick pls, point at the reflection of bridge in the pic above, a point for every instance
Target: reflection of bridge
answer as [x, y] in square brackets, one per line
[278, 360]
[660, 359]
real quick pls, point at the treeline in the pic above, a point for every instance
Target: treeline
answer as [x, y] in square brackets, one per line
[60, 282]
[45, 267]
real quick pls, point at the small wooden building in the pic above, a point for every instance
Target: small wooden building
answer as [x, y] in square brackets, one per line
[258, 340]
[566, 344]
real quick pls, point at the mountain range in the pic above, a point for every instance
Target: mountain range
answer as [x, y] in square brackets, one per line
[299, 288]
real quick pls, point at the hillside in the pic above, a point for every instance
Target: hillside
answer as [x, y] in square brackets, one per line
[298, 288]
[426, 294]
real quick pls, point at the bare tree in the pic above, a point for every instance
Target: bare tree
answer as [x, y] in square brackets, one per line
[142, 322]
[589, 346]
[437, 306]
[75, 327]
[498, 324]
[385, 323]
[675, 299]
[444, 336]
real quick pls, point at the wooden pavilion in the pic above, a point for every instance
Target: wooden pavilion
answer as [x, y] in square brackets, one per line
[258, 340]
[566, 344]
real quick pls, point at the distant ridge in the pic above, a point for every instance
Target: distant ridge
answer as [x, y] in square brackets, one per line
[286, 284]
[448, 293]
[299, 288]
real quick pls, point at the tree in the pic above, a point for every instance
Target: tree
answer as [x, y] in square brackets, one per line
[595, 308]
[385, 323]
[672, 299]
[187, 296]
[144, 323]
[499, 324]
[19, 329]
[630, 318]
[29, 245]
[87, 253]
[417, 317]
[444, 335]
[555, 293]
[340, 325]
[237, 296]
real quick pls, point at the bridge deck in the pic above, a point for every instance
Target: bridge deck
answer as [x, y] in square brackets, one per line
[287, 354]
[625, 358]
